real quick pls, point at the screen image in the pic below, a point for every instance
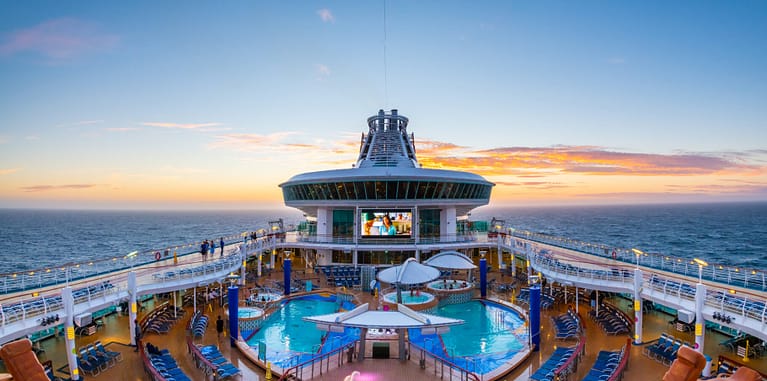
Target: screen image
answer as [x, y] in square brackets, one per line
[377, 223]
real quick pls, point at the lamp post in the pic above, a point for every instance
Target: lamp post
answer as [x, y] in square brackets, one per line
[638, 254]
[701, 264]
[700, 299]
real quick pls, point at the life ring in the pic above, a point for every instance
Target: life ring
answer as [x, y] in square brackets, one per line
[615, 254]
[157, 255]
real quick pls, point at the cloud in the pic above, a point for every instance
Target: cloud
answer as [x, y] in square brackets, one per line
[182, 126]
[616, 61]
[8, 171]
[81, 123]
[253, 142]
[32, 137]
[46, 188]
[58, 40]
[322, 71]
[121, 129]
[326, 15]
[585, 160]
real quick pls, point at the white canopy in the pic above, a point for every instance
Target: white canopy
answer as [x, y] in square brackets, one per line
[360, 317]
[410, 272]
[451, 260]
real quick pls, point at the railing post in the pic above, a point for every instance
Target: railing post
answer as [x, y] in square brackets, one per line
[638, 306]
[69, 331]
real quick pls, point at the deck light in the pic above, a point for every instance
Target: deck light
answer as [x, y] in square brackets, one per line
[731, 291]
[701, 264]
[638, 253]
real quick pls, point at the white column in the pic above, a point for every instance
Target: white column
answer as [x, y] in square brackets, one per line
[528, 255]
[700, 322]
[324, 224]
[260, 260]
[354, 257]
[576, 299]
[271, 259]
[243, 268]
[501, 266]
[418, 255]
[132, 305]
[69, 331]
[447, 224]
[638, 306]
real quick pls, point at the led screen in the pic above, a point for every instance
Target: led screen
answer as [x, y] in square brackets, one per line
[378, 223]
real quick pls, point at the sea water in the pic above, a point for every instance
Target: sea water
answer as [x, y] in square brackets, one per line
[729, 233]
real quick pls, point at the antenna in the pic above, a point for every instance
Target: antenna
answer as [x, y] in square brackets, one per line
[386, 79]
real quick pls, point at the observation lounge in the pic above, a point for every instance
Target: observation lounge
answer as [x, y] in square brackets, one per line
[386, 208]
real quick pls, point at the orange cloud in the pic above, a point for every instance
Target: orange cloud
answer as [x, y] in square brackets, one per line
[45, 188]
[588, 160]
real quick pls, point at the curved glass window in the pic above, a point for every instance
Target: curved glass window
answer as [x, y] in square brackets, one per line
[386, 190]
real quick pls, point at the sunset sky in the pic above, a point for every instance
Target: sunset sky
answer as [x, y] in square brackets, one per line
[213, 104]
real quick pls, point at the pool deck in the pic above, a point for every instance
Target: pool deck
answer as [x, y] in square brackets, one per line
[115, 334]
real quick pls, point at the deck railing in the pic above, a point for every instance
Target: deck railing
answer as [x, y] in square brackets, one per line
[444, 368]
[317, 362]
[755, 279]
[69, 272]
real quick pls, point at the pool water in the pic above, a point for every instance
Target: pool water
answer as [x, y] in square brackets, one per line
[491, 335]
[289, 338]
[409, 299]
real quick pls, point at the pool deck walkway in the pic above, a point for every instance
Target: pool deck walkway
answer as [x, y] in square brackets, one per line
[114, 333]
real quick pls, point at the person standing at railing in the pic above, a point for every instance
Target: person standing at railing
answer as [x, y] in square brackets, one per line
[222, 246]
[137, 334]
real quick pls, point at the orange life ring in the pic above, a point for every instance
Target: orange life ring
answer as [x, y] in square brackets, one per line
[157, 255]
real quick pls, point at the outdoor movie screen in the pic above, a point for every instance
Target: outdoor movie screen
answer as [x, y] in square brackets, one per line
[396, 223]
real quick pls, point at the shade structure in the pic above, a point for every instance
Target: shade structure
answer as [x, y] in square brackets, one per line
[410, 272]
[451, 260]
[361, 317]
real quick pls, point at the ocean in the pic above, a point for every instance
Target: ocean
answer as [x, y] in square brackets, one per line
[726, 233]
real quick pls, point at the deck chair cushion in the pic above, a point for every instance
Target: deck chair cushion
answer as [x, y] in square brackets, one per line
[22, 362]
[745, 374]
[687, 366]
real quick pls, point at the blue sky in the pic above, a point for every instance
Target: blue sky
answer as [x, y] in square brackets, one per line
[196, 104]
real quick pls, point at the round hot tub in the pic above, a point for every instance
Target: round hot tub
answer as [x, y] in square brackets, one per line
[417, 301]
[452, 291]
[450, 285]
[264, 297]
[248, 318]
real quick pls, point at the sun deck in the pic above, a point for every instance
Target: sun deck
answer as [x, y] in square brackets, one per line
[114, 333]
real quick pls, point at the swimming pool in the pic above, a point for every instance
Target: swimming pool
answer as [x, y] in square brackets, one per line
[491, 335]
[424, 297]
[288, 339]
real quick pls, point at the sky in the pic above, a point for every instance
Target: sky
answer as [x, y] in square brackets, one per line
[205, 105]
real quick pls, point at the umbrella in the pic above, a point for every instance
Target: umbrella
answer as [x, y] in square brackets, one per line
[451, 260]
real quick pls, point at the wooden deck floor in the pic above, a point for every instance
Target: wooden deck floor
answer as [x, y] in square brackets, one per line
[114, 333]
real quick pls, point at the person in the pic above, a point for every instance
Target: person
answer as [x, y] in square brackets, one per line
[387, 228]
[221, 242]
[368, 224]
[212, 247]
[219, 326]
[137, 334]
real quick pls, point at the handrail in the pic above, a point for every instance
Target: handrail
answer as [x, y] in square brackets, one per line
[72, 271]
[752, 278]
[624, 362]
[319, 357]
[451, 365]
[579, 350]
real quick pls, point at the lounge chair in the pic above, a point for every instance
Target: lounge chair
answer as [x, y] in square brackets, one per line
[687, 366]
[21, 361]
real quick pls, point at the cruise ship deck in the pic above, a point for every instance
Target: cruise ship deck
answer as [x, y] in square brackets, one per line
[114, 332]
[381, 214]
